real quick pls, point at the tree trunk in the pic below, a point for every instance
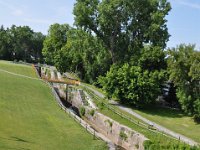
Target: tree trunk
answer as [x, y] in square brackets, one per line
[111, 49]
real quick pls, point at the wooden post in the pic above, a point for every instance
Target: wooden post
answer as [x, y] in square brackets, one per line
[39, 70]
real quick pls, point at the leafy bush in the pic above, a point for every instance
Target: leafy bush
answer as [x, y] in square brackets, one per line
[109, 122]
[100, 105]
[123, 135]
[183, 69]
[149, 145]
[132, 84]
[92, 112]
[82, 111]
[197, 118]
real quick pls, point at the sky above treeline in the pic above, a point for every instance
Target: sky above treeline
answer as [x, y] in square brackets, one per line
[183, 19]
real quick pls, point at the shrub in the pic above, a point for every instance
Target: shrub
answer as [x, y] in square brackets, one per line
[147, 144]
[100, 105]
[197, 118]
[82, 111]
[92, 112]
[132, 84]
[123, 135]
[110, 123]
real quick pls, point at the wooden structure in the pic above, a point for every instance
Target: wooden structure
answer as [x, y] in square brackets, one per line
[68, 81]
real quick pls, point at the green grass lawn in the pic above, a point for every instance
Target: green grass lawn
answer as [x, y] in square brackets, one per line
[159, 141]
[174, 120]
[30, 118]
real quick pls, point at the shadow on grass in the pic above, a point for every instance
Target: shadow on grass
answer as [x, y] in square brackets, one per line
[164, 112]
[155, 110]
[19, 139]
[161, 111]
[13, 139]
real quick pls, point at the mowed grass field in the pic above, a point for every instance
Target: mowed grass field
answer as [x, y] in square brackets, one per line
[30, 119]
[173, 120]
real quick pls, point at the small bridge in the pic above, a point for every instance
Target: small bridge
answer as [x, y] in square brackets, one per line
[67, 81]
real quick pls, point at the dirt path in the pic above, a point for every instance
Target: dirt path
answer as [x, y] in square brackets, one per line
[158, 127]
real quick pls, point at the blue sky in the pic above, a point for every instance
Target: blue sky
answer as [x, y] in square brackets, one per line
[183, 20]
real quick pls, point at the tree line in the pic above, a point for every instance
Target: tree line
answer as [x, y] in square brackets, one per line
[119, 46]
[21, 43]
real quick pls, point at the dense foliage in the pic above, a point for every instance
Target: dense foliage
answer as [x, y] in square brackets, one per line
[21, 43]
[54, 41]
[124, 26]
[148, 145]
[134, 34]
[132, 85]
[76, 51]
[184, 70]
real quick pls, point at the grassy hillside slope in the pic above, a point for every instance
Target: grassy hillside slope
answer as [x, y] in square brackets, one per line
[31, 119]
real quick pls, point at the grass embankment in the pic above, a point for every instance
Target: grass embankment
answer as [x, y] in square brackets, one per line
[173, 120]
[158, 140]
[31, 119]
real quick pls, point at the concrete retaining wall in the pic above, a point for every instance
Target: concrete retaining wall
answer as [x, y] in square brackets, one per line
[121, 135]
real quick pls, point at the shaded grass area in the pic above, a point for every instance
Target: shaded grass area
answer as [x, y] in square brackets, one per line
[172, 119]
[157, 140]
[31, 119]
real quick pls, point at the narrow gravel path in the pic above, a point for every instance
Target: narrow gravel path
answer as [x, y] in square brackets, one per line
[158, 127]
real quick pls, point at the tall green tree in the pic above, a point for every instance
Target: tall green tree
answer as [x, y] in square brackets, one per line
[54, 41]
[71, 49]
[21, 40]
[5, 44]
[37, 46]
[84, 55]
[132, 85]
[184, 70]
[20, 43]
[139, 84]
[124, 26]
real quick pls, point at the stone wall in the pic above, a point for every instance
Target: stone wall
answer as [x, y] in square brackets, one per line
[119, 134]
